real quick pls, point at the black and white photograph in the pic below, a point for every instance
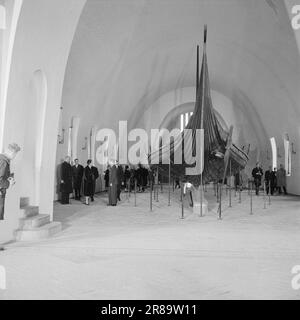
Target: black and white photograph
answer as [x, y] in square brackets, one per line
[149, 151]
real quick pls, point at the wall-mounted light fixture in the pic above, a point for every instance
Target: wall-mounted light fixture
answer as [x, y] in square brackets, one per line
[61, 136]
[85, 143]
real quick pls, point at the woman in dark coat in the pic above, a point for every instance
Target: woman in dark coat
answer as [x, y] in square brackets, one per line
[88, 182]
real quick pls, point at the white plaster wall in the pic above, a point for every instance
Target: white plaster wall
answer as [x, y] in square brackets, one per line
[43, 39]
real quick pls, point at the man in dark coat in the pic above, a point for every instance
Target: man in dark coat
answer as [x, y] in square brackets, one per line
[139, 176]
[268, 179]
[237, 181]
[145, 174]
[281, 180]
[257, 174]
[95, 173]
[66, 181]
[6, 178]
[88, 182]
[113, 185]
[273, 180]
[106, 178]
[77, 179]
[120, 175]
[127, 178]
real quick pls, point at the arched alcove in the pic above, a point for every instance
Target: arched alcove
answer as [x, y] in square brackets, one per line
[34, 137]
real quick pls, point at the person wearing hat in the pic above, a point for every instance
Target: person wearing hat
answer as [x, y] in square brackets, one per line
[6, 178]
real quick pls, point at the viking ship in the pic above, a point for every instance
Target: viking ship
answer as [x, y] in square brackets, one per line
[218, 154]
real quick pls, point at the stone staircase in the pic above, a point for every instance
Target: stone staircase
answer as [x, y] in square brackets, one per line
[34, 226]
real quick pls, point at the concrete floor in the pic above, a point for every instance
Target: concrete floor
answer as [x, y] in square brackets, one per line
[128, 252]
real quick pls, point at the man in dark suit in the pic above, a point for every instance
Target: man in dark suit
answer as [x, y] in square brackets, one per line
[120, 176]
[95, 173]
[257, 174]
[6, 178]
[269, 181]
[113, 184]
[77, 179]
[66, 181]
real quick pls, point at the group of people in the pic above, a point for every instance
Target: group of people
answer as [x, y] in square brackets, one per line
[74, 177]
[275, 180]
[116, 178]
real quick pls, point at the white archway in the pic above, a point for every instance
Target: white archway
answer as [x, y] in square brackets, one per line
[34, 137]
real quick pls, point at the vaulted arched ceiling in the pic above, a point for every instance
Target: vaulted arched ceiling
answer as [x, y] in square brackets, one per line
[126, 54]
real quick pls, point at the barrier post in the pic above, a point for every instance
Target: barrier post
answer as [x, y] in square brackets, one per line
[135, 192]
[230, 205]
[151, 195]
[269, 192]
[265, 205]
[169, 196]
[220, 202]
[251, 204]
[182, 202]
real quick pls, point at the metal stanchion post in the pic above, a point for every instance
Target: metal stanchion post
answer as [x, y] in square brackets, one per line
[251, 204]
[265, 205]
[135, 192]
[182, 202]
[169, 199]
[269, 192]
[248, 187]
[151, 195]
[201, 196]
[220, 202]
[240, 189]
[230, 205]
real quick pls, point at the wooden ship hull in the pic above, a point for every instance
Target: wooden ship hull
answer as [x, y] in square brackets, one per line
[220, 155]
